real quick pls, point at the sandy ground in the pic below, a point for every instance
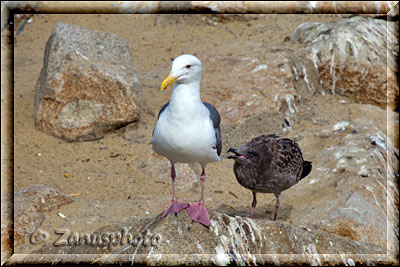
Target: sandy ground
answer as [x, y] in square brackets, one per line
[100, 171]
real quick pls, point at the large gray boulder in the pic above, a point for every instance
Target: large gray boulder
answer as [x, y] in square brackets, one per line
[88, 84]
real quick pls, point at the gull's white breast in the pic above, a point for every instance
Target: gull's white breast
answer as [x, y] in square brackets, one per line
[187, 137]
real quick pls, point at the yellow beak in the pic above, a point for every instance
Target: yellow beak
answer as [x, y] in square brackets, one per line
[168, 81]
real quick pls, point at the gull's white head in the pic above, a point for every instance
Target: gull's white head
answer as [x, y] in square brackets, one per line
[185, 69]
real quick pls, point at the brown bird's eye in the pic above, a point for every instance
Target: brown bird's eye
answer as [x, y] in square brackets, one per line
[188, 66]
[252, 153]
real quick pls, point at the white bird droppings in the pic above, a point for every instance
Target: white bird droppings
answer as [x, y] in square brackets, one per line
[259, 67]
[221, 258]
[340, 126]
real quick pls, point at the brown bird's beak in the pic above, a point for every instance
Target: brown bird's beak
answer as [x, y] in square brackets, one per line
[237, 154]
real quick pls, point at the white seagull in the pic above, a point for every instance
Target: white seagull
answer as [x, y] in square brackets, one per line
[187, 130]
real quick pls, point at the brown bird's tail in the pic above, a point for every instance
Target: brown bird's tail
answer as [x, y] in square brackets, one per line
[306, 169]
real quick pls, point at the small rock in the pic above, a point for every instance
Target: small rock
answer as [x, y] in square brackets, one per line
[7, 233]
[363, 172]
[30, 205]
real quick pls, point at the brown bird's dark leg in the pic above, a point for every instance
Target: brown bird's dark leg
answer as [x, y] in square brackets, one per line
[276, 205]
[198, 211]
[175, 206]
[253, 205]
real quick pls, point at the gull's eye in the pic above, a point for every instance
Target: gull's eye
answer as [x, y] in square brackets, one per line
[188, 66]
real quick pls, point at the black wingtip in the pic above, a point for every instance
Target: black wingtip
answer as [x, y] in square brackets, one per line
[306, 169]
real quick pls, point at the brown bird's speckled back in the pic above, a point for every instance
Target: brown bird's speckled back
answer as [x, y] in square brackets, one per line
[272, 164]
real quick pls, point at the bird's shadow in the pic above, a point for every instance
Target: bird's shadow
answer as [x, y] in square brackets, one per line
[265, 212]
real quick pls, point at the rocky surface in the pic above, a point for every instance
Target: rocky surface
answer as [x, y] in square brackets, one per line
[260, 85]
[354, 167]
[228, 240]
[88, 84]
[353, 58]
[30, 206]
[237, 240]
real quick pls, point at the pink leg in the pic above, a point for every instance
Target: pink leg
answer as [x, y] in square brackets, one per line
[253, 205]
[276, 206]
[175, 206]
[198, 211]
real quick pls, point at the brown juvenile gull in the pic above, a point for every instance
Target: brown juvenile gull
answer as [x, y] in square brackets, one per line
[187, 130]
[268, 164]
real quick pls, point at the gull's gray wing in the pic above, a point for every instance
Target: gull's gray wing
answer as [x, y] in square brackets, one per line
[216, 119]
